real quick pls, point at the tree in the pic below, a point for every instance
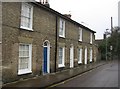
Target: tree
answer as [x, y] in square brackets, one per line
[102, 48]
[114, 41]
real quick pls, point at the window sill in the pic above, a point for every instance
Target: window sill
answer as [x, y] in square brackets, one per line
[61, 36]
[80, 40]
[60, 65]
[91, 43]
[79, 62]
[24, 72]
[90, 60]
[25, 28]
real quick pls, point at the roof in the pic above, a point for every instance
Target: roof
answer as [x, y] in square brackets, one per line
[62, 16]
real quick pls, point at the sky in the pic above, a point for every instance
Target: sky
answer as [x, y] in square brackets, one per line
[95, 14]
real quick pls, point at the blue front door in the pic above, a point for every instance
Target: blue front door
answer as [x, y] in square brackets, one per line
[45, 60]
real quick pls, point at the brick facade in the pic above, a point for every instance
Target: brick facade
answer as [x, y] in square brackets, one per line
[45, 28]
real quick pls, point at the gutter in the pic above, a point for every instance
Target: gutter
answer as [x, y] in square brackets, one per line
[56, 43]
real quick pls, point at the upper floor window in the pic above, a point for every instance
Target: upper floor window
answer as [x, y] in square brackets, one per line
[91, 38]
[80, 34]
[26, 16]
[62, 28]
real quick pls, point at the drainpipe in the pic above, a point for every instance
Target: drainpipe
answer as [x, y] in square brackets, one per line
[56, 43]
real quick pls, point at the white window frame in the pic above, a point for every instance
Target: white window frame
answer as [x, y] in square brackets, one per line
[91, 54]
[31, 17]
[62, 26]
[63, 57]
[29, 69]
[80, 50]
[91, 38]
[80, 34]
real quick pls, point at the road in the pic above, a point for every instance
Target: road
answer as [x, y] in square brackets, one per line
[104, 76]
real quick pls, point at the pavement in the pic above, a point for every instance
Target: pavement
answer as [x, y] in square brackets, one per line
[44, 81]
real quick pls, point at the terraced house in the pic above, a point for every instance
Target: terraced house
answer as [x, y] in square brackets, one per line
[37, 40]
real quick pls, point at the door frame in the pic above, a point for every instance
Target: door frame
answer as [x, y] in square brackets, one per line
[91, 54]
[85, 61]
[71, 56]
[48, 56]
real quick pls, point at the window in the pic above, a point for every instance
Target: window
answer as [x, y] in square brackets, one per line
[91, 38]
[26, 16]
[80, 34]
[90, 54]
[25, 54]
[62, 28]
[80, 55]
[61, 57]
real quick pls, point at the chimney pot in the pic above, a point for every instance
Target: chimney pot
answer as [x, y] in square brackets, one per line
[45, 2]
[68, 15]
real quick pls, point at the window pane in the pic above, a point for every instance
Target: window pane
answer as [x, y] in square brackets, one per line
[23, 63]
[21, 47]
[27, 47]
[45, 43]
[62, 27]
[61, 31]
[27, 14]
[91, 38]
[60, 60]
[26, 22]
[80, 34]
[60, 55]
[26, 53]
[24, 56]
[79, 54]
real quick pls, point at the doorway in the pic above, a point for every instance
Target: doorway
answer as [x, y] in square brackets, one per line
[46, 57]
[85, 55]
[71, 56]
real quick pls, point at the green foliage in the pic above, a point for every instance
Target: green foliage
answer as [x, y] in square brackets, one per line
[114, 41]
[102, 49]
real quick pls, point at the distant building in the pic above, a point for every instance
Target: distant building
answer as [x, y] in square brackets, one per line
[98, 43]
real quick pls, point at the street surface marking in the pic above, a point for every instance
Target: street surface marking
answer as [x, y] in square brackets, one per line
[70, 79]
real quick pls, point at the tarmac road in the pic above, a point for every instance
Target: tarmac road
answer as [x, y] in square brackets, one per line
[104, 76]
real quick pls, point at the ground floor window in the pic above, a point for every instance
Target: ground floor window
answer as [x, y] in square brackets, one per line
[61, 57]
[25, 54]
[80, 55]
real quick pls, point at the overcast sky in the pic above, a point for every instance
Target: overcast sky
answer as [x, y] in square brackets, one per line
[95, 14]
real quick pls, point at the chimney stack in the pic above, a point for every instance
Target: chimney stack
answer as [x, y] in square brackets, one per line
[68, 15]
[104, 36]
[45, 2]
